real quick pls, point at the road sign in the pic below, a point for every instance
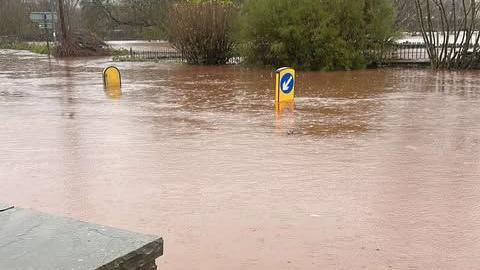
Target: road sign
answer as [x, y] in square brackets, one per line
[46, 21]
[112, 77]
[43, 17]
[284, 85]
[48, 26]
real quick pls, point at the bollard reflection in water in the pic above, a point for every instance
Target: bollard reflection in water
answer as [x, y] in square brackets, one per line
[285, 118]
[113, 92]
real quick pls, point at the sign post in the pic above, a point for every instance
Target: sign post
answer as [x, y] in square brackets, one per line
[45, 24]
[46, 21]
[284, 85]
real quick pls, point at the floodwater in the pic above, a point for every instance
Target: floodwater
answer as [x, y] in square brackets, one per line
[375, 169]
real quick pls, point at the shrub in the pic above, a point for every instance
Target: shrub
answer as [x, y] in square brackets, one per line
[201, 31]
[313, 34]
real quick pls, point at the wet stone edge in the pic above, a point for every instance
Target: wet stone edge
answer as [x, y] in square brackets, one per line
[4, 209]
[140, 259]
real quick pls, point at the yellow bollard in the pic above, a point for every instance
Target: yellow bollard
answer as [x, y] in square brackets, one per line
[112, 77]
[284, 85]
[285, 100]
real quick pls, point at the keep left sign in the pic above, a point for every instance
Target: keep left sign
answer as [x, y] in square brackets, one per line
[284, 85]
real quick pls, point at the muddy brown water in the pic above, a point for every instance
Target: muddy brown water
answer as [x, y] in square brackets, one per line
[376, 169]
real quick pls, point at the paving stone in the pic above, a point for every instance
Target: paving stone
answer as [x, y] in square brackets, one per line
[30, 240]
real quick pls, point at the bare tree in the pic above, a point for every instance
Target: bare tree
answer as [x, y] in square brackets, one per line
[202, 32]
[145, 13]
[450, 32]
[406, 19]
[73, 40]
[14, 20]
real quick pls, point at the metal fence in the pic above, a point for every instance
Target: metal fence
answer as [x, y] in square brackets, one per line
[408, 51]
[157, 54]
[396, 53]
[169, 54]
[417, 53]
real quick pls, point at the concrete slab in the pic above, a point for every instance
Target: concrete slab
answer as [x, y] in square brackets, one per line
[30, 240]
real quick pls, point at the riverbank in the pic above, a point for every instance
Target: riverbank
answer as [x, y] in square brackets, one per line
[399, 55]
[40, 48]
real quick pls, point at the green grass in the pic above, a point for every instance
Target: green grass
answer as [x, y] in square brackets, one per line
[40, 49]
[15, 45]
[119, 52]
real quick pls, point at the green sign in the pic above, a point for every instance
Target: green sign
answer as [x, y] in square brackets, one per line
[43, 17]
[48, 26]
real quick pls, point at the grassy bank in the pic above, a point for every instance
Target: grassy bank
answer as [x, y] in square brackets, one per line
[41, 48]
[15, 45]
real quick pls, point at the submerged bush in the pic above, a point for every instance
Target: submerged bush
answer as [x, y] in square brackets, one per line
[314, 34]
[201, 31]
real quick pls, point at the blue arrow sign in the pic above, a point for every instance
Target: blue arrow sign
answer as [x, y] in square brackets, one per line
[286, 83]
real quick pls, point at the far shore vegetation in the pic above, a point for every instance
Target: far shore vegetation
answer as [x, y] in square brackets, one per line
[305, 34]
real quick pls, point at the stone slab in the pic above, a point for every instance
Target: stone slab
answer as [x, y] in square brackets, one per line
[30, 240]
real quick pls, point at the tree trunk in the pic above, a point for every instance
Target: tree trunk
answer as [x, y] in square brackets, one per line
[63, 26]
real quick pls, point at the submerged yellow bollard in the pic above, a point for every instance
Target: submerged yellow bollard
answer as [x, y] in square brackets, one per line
[285, 100]
[112, 77]
[284, 85]
[113, 92]
[285, 118]
[283, 108]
